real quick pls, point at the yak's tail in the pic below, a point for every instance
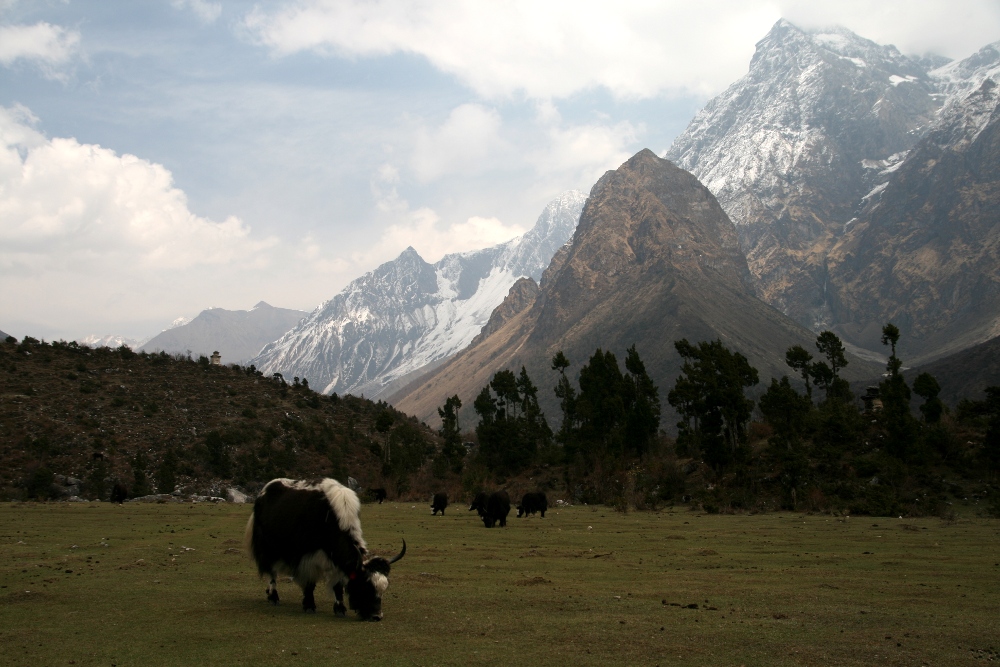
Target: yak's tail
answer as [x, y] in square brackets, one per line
[248, 539]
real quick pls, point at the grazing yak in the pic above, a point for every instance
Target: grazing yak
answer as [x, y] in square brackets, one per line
[493, 508]
[119, 493]
[378, 495]
[312, 531]
[531, 503]
[438, 504]
[479, 503]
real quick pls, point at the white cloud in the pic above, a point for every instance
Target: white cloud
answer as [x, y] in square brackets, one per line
[423, 228]
[955, 28]
[581, 153]
[425, 231]
[48, 46]
[83, 204]
[207, 12]
[541, 49]
[634, 49]
[466, 141]
[80, 224]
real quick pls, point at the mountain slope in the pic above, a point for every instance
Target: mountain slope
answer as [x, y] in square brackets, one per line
[407, 313]
[238, 335]
[926, 252]
[654, 259]
[958, 78]
[792, 149]
[965, 374]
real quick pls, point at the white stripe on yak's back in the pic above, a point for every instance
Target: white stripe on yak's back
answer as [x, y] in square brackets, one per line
[343, 500]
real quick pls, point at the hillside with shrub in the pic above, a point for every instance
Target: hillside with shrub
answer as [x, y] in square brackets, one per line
[77, 421]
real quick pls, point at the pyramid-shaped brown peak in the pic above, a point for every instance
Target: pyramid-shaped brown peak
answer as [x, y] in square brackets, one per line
[651, 215]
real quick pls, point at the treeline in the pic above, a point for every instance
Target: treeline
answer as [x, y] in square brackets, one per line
[806, 443]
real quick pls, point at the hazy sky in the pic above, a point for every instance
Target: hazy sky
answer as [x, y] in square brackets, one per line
[161, 157]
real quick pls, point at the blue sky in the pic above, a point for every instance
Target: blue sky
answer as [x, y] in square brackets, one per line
[162, 157]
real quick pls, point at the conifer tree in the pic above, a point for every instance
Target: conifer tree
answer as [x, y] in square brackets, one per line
[928, 389]
[833, 349]
[798, 358]
[452, 451]
[601, 406]
[899, 423]
[511, 425]
[642, 405]
[567, 403]
[709, 395]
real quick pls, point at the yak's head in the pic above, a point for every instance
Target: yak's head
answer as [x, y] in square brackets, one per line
[366, 586]
[479, 503]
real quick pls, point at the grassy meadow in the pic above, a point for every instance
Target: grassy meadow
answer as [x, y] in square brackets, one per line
[169, 584]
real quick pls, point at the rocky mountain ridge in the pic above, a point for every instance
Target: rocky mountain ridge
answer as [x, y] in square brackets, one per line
[654, 259]
[793, 147]
[803, 152]
[407, 313]
[925, 253]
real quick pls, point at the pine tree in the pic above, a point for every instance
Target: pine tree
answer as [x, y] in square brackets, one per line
[642, 405]
[511, 425]
[901, 435]
[600, 406]
[567, 403]
[709, 395]
[833, 349]
[452, 451]
[798, 358]
[928, 389]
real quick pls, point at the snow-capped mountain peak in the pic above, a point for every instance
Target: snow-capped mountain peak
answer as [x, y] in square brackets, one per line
[796, 148]
[959, 78]
[408, 313]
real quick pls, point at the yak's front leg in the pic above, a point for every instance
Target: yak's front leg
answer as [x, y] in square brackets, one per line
[272, 592]
[338, 607]
[308, 601]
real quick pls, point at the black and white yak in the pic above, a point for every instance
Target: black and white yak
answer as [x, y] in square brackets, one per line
[312, 531]
[531, 503]
[493, 509]
[439, 503]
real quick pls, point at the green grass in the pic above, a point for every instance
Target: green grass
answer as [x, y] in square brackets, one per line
[99, 584]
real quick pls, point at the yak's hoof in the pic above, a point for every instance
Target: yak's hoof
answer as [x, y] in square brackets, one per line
[310, 610]
[273, 598]
[340, 613]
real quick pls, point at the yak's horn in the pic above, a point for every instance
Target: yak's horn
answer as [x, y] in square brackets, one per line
[399, 555]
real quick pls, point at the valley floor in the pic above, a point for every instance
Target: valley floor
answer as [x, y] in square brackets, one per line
[147, 584]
